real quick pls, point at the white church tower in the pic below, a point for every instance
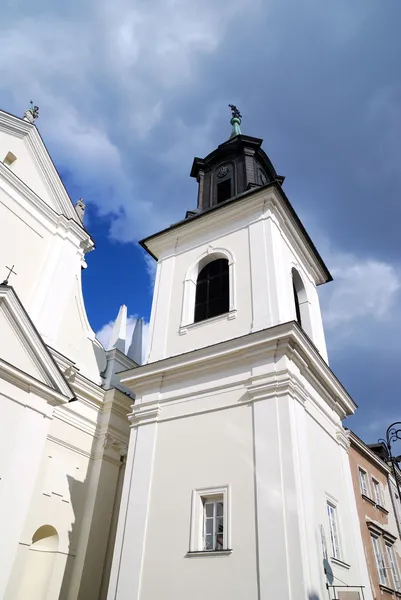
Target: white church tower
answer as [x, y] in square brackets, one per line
[237, 483]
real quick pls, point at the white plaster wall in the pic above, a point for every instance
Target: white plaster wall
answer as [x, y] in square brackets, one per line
[23, 428]
[24, 242]
[25, 167]
[282, 458]
[263, 257]
[48, 261]
[197, 452]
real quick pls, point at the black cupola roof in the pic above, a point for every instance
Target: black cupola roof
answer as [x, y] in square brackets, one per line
[237, 165]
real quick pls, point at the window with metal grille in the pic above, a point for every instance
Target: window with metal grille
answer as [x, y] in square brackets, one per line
[212, 290]
[213, 524]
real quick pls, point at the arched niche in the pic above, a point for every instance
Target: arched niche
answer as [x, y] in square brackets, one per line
[39, 564]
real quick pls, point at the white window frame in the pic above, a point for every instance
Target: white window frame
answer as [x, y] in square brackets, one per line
[189, 295]
[380, 561]
[393, 566]
[334, 529]
[363, 482]
[199, 497]
[377, 492]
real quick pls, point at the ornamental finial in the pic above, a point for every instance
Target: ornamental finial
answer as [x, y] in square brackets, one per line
[235, 121]
[32, 113]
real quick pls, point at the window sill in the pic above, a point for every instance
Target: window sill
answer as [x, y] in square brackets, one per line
[197, 553]
[382, 509]
[389, 590]
[368, 499]
[340, 563]
[228, 316]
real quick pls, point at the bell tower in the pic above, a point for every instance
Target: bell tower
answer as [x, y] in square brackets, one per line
[237, 482]
[269, 264]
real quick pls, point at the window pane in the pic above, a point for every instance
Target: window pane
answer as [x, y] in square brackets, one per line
[335, 544]
[212, 290]
[209, 509]
[220, 507]
[209, 526]
[363, 482]
[219, 525]
[209, 542]
[219, 542]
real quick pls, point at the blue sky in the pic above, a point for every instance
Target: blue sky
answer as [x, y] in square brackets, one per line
[130, 92]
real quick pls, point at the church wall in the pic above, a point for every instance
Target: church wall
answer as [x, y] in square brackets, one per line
[282, 460]
[23, 429]
[24, 242]
[74, 493]
[25, 167]
[209, 450]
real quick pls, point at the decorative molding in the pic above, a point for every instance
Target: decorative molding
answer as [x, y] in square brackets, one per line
[342, 436]
[228, 316]
[165, 242]
[340, 563]
[54, 222]
[115, 444]
[143, 414]
[286, 337]
[202, 553]
[378, 529]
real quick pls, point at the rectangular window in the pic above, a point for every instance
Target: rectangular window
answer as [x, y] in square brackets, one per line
[223, 191]
[379, 558]
[210, 520]
[363, 482]
[392, 564]
[333, 528]
[377, 493]
[213, 524]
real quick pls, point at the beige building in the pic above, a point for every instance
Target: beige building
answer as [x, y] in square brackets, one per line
[375, 498]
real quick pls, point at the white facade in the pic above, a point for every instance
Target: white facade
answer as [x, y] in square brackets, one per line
[241, 407]
[63, 432]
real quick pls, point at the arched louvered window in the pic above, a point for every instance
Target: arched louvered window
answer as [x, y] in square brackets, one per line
[212, 290]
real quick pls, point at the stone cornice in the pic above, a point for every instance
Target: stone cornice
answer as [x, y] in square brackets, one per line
[54, 221]
[378, 529]
[363, 449]
[19, 320]
[144, 414]
[31, 385]
[282, 340]
[262, 203]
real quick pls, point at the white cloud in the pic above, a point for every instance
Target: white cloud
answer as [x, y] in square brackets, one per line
[361, 306]
[102, 77]
[362, 289]
[151, 268]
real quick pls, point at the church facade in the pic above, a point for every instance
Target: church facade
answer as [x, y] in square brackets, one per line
[238, 483]
[63, 426]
